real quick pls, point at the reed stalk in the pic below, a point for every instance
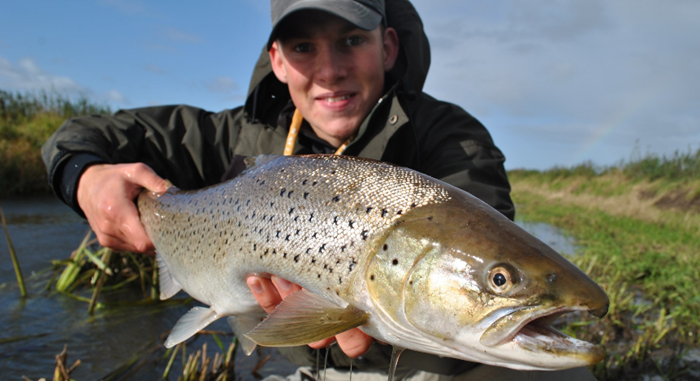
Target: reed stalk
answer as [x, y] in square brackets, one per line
[13, 255]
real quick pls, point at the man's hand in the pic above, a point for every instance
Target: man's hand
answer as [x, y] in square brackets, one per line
[106, 195]
[270, 292]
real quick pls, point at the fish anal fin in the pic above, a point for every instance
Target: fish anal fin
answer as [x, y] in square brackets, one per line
[168, 284]
[242, 325]
[190, 323]
[304, 318]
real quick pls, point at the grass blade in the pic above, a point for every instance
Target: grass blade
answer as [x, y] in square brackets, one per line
[13, 255]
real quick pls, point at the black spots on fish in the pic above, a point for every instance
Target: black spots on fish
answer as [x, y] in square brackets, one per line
[271, 217]
[342, 248]
[304, 182]
[333, 172]
[369, 209]
[384, 213]
[314, 235]
[319, 275]
[262, 182]
[287, 238]
[371, 276]
[335, 220]
[255, 246]
[296, 258]
[385, 247]
[272, 204]
[283, 191]
[253, 216]
[430, 218]
[282, 170]
[340, 280]
[400, 212]
[314, 183]
[247, 202]
[289, 194]
[364, 234]
[313, 260]
[413, 205]
[351, 266]
[311, 217]
[336, 198]
[308, 250]
[323, 247]
[296, 218]
[237, 201]
[297, 232]
[351, 223]
[395, 261]
[306, 195]
[226, 241]
[238, 208]
[284, 255]
[291, 210]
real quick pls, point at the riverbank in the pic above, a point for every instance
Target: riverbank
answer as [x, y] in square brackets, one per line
[637, 231]
[26, 122]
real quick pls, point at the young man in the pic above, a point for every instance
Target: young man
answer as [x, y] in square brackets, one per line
[354, 70]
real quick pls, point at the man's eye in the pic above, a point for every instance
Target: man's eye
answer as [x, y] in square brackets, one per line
[302, 48]
[354, 40]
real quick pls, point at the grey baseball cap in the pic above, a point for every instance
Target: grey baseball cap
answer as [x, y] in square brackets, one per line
[365, 14]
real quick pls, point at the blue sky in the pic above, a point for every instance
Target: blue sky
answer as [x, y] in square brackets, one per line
[556, 82]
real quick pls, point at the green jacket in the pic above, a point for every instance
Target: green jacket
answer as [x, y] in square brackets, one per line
[194, 148]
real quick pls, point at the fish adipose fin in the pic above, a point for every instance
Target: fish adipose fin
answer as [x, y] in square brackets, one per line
[189, 324]
[240, 326]
[304, 317]
[168, 284]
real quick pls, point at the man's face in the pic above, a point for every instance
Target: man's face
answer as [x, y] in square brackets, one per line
[334, 70]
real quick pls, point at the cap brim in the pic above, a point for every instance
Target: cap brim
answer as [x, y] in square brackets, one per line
[355, 13]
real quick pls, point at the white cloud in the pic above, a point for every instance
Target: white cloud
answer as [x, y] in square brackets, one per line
[27, 75]
[221, 85]
[598, 74]
[114, 96]
[180, 36]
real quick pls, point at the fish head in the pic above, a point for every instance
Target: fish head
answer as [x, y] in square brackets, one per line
[483, 289]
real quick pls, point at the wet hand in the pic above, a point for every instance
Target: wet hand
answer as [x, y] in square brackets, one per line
[270, 292]
[106, 195]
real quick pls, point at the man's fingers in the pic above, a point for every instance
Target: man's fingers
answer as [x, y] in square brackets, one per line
[144, 176]
[284, 287]
[264, 292]
[354, 342]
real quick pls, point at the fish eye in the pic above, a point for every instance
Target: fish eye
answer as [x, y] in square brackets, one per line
[500, 279]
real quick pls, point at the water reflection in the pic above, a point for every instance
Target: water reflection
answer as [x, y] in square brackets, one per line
[552, 236]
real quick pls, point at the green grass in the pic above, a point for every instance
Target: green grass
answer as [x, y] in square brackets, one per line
[26, 122]
[645, 254]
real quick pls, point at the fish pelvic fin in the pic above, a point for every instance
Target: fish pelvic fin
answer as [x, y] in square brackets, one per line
[240, 326]
[190, 323]
[303, 318]
[168, 284]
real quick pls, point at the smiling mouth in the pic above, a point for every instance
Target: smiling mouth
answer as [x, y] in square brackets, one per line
[532, 331]
[339, 98]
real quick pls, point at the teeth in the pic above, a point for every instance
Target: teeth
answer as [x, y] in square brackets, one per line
[337, 99]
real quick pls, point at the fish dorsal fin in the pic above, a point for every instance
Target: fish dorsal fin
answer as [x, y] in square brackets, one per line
[304, 317]
[242, 325]
[189, 324]
[168, 284]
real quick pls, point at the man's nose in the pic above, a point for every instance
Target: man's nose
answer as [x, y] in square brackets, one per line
[332, 65]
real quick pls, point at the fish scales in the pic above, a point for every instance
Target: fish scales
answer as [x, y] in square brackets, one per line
[412, 261]
[288, 216]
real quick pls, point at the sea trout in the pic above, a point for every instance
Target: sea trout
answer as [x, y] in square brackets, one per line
[410, 260]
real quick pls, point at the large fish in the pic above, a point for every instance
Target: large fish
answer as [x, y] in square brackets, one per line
[411, 260]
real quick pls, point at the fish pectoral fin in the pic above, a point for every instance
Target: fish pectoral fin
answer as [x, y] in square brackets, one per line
[240, 326]
[189, 324]
[303, 318]
[168, 284]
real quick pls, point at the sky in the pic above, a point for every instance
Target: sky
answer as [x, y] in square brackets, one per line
[557, 83]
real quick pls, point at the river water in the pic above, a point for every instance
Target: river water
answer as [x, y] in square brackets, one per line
[36, 329]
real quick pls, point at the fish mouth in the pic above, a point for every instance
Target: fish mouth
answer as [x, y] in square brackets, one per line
[532, 330]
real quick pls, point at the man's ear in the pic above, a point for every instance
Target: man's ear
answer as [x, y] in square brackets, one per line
[277, 62]
[391, 48]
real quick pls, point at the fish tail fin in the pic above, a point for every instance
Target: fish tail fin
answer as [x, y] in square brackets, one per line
[242, 325]
[190, 323]
[168, 284]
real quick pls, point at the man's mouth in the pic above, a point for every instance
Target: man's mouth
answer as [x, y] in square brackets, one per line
[337, 98]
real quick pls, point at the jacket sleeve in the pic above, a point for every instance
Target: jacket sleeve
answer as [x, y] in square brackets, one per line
[186, 145]
[457, 148]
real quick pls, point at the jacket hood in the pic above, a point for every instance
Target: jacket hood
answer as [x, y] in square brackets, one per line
[409, 72]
